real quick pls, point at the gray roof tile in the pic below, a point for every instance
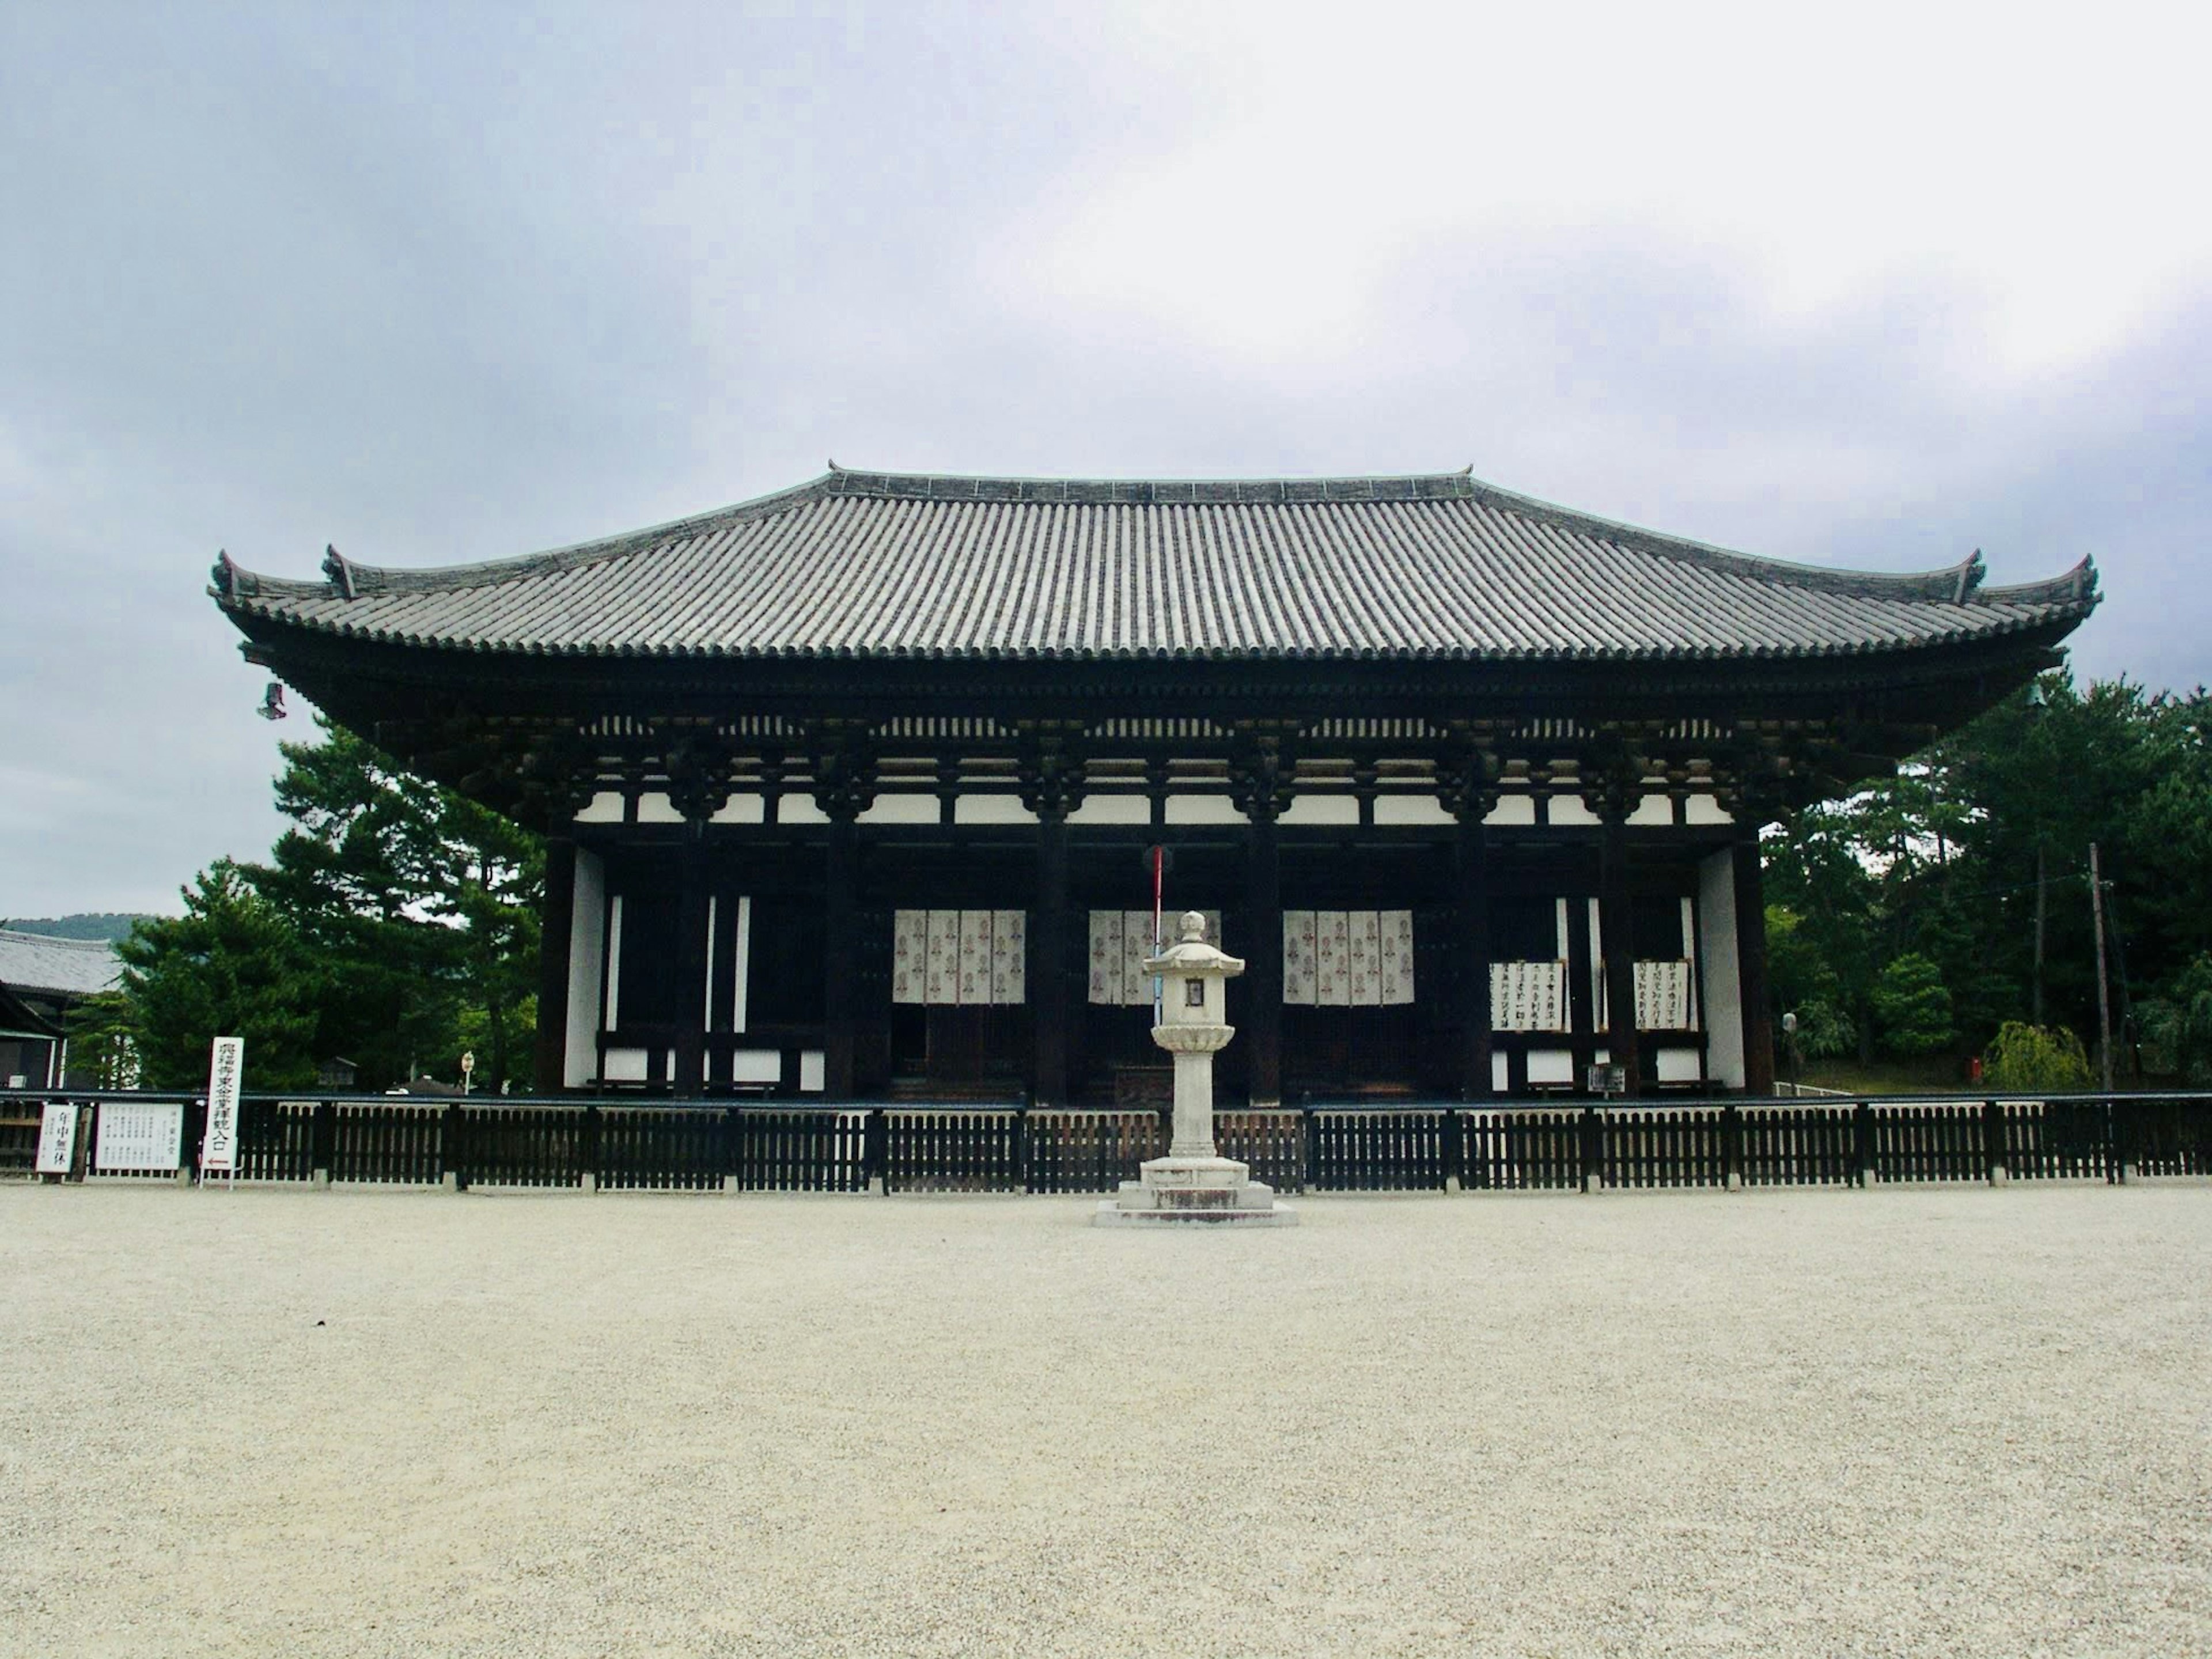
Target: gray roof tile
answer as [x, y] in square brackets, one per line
[887, 565]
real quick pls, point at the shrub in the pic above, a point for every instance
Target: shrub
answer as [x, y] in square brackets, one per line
[2026, 1059]
[1912, 1009]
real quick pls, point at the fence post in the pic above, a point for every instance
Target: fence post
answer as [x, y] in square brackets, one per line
[2117, 1146]
[1454, 1157]
[455, 1176]
[1993, 1140]
[875, 1152]
[1021, 1170]
[588, 1148]
[1309, 1135]
[1862, 1141]
[1732, 1145]
[322, 1142]
[1593, 1148]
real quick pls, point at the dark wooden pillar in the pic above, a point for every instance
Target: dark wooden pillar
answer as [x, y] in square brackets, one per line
[1751, 964]
[1471, 902]
[691, 956]
[557, 929]
[840, 942]
[1263, 970]
[1616, 932]
[1049, 1007]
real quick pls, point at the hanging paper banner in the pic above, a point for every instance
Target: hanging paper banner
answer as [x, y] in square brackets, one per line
[909, 954]
[941, 959]
[1009, 956]
[1298, 956]
[1663, 996]
[1528, 996]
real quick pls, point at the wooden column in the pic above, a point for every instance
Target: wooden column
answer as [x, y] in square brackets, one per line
[839, 940]
[1263, 970]
[1049, 1009]
[1751, 964]
[557, 930]
[1616, 930]
[692, 962]
[1472, 903]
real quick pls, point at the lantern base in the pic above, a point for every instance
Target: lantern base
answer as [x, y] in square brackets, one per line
[1210, 1192]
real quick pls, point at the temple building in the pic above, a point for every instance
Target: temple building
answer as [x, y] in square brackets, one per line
[854, 790]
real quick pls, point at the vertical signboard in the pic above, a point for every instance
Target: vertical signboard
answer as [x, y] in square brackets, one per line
[219, 1146]
[57, 1137]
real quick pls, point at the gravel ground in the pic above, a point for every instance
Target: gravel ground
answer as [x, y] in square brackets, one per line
[1906, 1421]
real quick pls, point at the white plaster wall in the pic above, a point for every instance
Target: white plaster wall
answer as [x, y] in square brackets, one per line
[742, 809]
[991, 809]
[798, 809]
[586, 957]
[654, 807]
[1202, 809]
[902, 809]
[1112, 809]
[1724, 1009]
[1422, 809]
[1513, 810]
[1653, 809]
[1324, 809]
[605, 807]
[1569, 809]
[1705, 808]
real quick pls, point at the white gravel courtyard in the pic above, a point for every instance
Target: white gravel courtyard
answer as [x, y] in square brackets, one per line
[1904, 1421]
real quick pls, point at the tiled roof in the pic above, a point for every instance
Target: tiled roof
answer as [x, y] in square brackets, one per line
[886, 565]
[71, 967]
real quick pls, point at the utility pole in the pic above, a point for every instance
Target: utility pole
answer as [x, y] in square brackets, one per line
[2104, 995]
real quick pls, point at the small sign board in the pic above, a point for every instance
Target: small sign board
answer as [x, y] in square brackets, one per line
[1609, 1080]
[57, 1137]
[219, 1146]
[139, 1137]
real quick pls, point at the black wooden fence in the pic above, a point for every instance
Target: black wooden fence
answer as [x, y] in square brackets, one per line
[1555, 1146]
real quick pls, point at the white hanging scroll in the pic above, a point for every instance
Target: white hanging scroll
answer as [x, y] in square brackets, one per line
[1106, 957]
[941, 964]
[1363, 932]
[1528, 996]
[1663, 996]
[909, 954]
[1396, 928]
[1348, 958]
[1121, 941]
[1298, 956]
[975, 984]
[959, 957]
[1009, 956]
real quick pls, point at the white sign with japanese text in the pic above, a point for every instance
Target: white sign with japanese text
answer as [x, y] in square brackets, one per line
[57, 1137]
[139, 1137]
[219, 1145]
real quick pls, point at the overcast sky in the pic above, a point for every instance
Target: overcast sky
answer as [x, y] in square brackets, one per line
[451, 282]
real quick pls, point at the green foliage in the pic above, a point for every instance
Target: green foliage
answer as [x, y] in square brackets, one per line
[1910, 1006]
[231, 965]
[1941, 862]
[1802, 983]
[424, 905]
[395, 924]
[2177, 1026]
[2029, 1059]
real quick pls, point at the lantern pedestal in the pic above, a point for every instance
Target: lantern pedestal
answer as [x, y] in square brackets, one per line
[1193, 1184]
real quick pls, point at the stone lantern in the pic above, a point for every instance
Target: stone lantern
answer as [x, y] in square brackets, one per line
[1193, 1182]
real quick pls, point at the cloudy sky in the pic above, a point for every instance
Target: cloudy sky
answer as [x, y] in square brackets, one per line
[450, 282]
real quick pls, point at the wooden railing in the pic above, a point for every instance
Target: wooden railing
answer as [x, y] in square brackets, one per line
[957, 1147]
